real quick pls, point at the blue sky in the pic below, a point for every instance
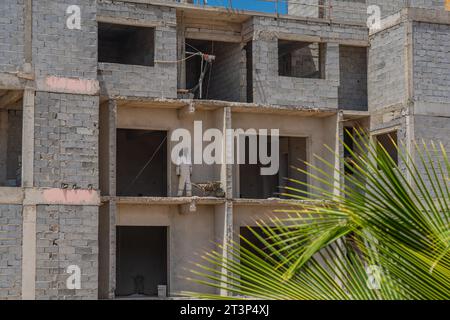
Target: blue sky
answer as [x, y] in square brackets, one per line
[254, 5]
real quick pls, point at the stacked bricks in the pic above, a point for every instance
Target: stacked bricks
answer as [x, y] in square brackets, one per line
[10, 251]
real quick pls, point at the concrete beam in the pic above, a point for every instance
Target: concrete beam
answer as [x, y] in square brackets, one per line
[48, 196]
[188, 208]
[11, 81]
[11, 195]
[36, 196]
[68, 85]
[10, 98]
[186, 111]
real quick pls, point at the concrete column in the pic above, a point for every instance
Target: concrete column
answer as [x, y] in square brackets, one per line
[107, 147]
[181, 52]
[29, 253]
[112, 108]
[339, 154]
[226, 175]
[224, 212]
[107, 213]
[28, 138]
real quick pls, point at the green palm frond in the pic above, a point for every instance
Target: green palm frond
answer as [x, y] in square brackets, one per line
[384, 234]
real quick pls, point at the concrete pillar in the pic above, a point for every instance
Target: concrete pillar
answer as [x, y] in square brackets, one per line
[28, 138]
[339, 154]
[181, 50]
[29, 253]
[107, 213]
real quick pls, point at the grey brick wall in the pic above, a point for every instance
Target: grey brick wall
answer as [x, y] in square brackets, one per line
[58, 50]
[432, 129]
[350, 11]
[140, 81]
[270, 88]
[66, 140]
[431, 62]
[228, 78]
[12, 35]
[388, 7]
[66, 235]
[10, 251]
[386, 68]
[306, 8]
[428, 4]
[353, 78]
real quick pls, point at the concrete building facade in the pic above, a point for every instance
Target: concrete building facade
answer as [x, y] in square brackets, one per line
[91, 92]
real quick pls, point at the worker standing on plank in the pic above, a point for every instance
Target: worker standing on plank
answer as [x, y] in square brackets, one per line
[184, 172]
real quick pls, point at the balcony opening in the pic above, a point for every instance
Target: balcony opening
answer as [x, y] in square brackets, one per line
[388, 141]
[141, 260]
[11, 118]
[141, 163]
[292, 154]
[215, 70]
[300, 59]
[257, 243]
[352, 91]
[124, 44]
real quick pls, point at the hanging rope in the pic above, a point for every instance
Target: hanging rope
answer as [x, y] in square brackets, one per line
[176, 61]
[146, 165]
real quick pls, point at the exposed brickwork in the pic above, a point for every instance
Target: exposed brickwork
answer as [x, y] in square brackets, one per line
[66, 140]
[10, 251]
[353, 78]
[58, 50]
[11, 35]
[431, 62]
[66, 235]
[228, 80]
[66, 148]
[386, 69]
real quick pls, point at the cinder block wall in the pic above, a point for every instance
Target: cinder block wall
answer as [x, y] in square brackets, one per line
[10, 251]
[431, 62]
[66, 235]
[66, 140]
[228, 78]
[352, 11]
[388, 7]
[353, 78]
[270, 88]
[159, 81]
[12, 35]
[58, 50]
[386, 68]
[431, 45]
[307, 8]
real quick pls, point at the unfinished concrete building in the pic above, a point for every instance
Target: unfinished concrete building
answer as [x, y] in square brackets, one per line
[89, 98]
